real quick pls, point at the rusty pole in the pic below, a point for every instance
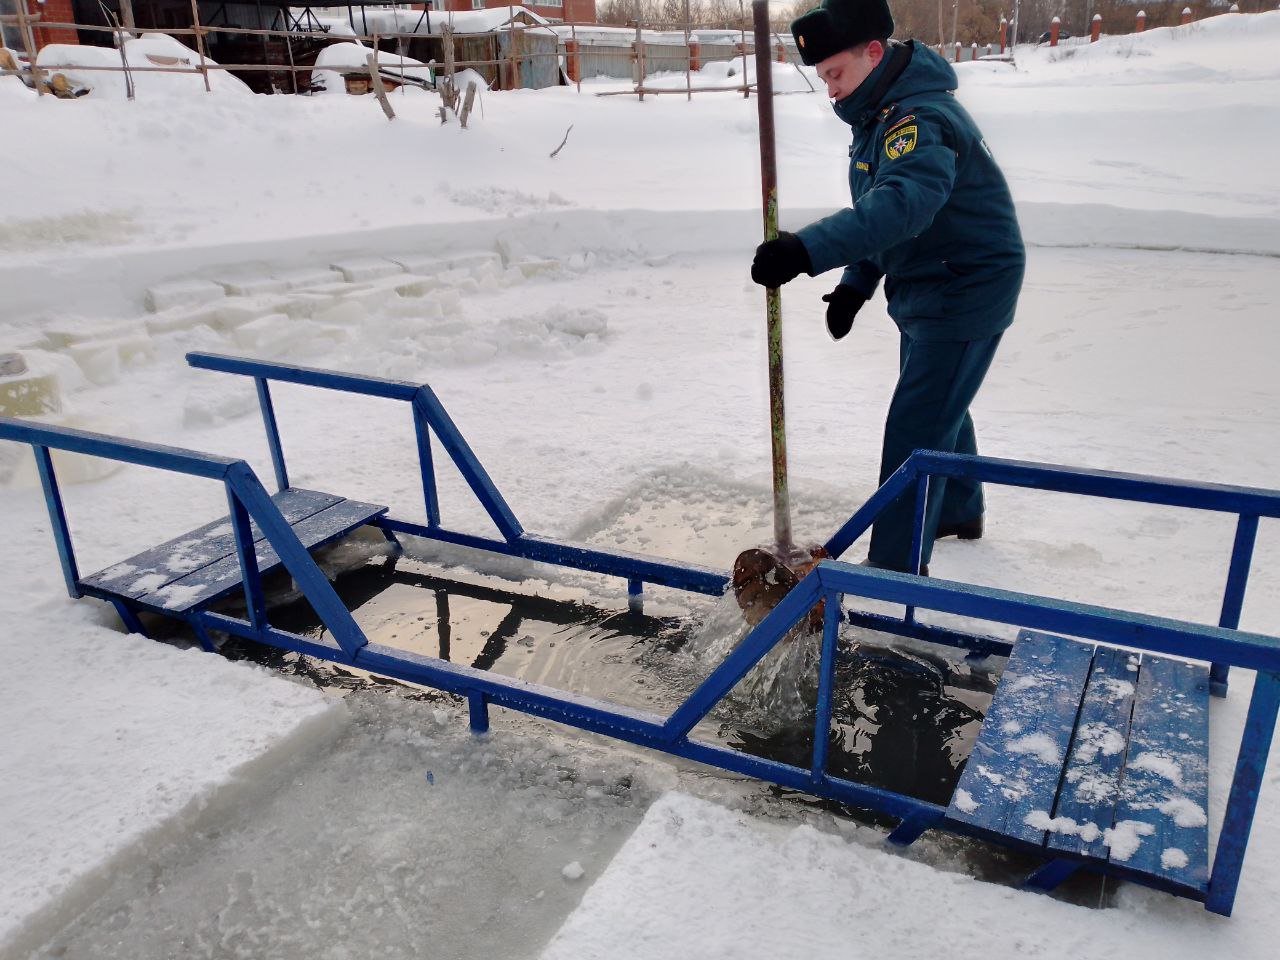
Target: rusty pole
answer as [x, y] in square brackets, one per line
[773, 296]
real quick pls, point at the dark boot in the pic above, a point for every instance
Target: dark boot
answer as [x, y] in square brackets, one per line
[965, 530]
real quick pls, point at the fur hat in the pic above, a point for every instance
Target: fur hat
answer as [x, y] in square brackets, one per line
[838, 25]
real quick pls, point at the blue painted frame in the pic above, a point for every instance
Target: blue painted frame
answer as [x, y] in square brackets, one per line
[829, 582]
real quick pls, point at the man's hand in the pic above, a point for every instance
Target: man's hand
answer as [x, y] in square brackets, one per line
[843, 304]
[780, 261]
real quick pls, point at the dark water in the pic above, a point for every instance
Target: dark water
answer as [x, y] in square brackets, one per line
[901, 720]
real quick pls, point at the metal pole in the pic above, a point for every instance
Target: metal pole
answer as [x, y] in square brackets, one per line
[773, 296]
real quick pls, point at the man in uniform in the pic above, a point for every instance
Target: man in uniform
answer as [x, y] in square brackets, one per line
[933, 216]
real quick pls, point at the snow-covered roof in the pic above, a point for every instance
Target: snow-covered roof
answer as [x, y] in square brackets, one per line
[147, 51]
[413, 21]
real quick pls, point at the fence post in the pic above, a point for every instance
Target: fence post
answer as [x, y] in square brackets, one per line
[638, 53]
[1186, 16]
[577, 51]
[195, 25]
[782, 53]
[1055, 27]
[695, 55]
[1004, 33]
[28, 44]
[973, 50]
[1095, 28]
[1142, 21]
[988, 49]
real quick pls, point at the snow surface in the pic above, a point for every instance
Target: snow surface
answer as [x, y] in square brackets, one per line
[703, 881]
[606, 363]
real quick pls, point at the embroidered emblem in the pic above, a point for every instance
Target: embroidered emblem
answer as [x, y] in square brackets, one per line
[863, 166]
[902, 142]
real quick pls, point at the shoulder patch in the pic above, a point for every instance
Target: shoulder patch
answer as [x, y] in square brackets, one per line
[863, 166]
[900, 141]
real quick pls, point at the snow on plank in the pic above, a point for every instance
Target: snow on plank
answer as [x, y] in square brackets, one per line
[1091, 785]
[1011, 779]
[1160, 825]
[160, 566]
[223, 576]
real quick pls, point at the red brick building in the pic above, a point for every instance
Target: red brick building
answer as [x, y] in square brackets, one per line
[51, 11]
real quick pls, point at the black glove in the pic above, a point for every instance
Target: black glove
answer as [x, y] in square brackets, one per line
[780, 261]
[843, 304]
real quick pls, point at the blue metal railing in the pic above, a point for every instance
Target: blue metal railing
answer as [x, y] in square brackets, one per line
[430, 418]
[1247, 503]
[828, 583]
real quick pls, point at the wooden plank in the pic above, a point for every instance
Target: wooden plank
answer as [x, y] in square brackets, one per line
[222, 577]
[1090, 786]
[1161, 826]
[160, 566]
[1013, 773]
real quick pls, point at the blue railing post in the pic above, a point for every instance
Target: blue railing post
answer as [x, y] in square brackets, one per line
[478, 710]
[273, 432]
[468, 464]
[1251, 764]
[635, 595]
[247, 489]
[246, 550]
[58, 518]
[917, 533]
[832, 615]
[422, 431]
[1233, 596]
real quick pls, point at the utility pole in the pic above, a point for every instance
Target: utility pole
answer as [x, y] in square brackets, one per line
[955, 15]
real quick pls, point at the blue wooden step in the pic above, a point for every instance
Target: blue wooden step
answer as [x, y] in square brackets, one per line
[199, 567]
[1017, 761]
[1126, 786]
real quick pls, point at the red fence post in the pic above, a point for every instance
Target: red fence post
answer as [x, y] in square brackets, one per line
[573, 65]
[1095, 28]
[957, 51]
[1004, 33]
[695, 55]
[1142, 20]
[1186, 16]
[1055, 27]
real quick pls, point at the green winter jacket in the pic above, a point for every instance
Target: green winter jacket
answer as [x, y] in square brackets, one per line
[931, 211]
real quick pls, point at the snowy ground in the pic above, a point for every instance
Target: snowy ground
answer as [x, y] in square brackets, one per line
[616, 394]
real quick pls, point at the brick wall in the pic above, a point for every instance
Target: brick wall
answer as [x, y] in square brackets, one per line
[53, 11]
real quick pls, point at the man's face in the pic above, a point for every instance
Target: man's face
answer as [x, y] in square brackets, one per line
[844, 72]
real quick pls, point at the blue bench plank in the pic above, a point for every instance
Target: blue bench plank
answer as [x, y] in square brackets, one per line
[1164, 792]
[223, 576]
[1091, 781]
[162, 565]
[1013, 773]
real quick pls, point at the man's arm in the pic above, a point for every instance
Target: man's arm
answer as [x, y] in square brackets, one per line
[863, 277]
[916, 171]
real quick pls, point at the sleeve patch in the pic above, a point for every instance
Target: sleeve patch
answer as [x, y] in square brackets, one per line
[900, 141]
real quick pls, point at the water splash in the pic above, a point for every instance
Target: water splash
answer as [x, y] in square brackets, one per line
[780, 690]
